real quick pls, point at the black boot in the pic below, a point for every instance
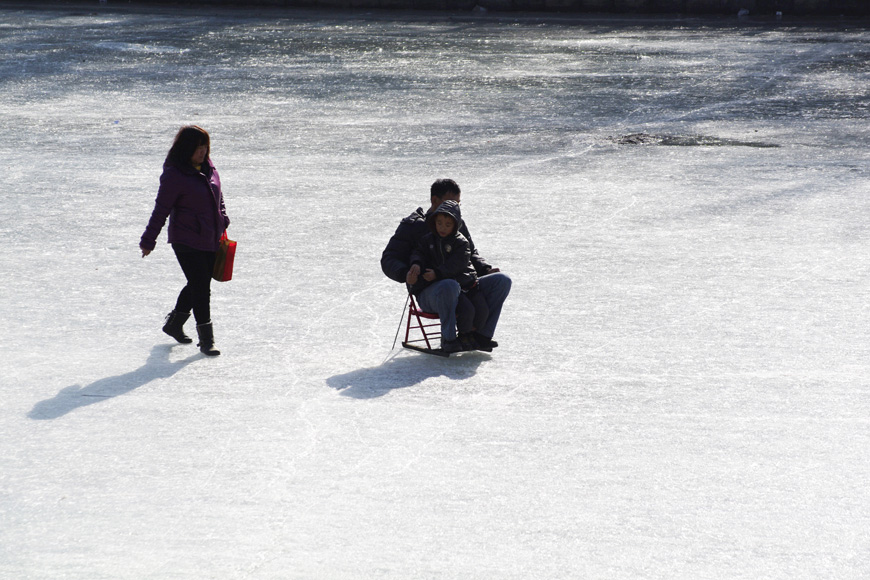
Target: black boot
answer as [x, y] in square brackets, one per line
[173, 326]
[206, 339]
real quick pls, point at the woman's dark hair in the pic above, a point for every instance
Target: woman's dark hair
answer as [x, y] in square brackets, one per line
[186, 141]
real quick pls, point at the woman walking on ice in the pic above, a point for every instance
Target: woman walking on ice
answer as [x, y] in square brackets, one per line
[190, 196]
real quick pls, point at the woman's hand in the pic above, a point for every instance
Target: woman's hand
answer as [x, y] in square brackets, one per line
[145, 251]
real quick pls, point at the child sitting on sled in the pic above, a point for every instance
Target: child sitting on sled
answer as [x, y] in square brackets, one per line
[442, 254]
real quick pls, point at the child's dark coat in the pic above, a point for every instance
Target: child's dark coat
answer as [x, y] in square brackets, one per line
[449, 257]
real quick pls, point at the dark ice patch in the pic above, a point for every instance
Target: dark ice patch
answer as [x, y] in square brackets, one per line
[686, 141]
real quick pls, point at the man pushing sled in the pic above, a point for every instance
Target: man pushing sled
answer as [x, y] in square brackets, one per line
[444, 271]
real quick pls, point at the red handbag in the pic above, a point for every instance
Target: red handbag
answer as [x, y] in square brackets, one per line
[223, 263]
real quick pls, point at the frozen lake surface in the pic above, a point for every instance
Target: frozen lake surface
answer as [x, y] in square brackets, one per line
[681, 389]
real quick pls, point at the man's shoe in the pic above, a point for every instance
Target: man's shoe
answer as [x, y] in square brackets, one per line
[484, 343]
[468, 342]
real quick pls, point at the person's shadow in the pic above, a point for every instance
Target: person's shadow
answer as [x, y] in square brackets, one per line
[401, 372]
[158, 366]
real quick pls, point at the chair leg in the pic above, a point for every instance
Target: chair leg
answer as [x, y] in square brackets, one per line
[423, 328]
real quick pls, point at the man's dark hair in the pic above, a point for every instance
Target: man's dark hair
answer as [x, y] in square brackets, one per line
[186, 141]
[442, 187]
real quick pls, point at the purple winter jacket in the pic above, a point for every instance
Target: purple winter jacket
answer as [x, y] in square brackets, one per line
[194, 204]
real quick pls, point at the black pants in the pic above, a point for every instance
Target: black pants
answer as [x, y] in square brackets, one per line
[471, 312]
[197, 266]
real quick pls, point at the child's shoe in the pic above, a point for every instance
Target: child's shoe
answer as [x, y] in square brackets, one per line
[451, 346]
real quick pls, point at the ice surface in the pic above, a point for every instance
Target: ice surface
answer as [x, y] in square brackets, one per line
[681, 388]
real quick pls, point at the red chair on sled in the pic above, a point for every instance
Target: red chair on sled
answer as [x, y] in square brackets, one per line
[426, 329]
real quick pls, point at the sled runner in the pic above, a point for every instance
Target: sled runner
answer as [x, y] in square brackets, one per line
[426, 328]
